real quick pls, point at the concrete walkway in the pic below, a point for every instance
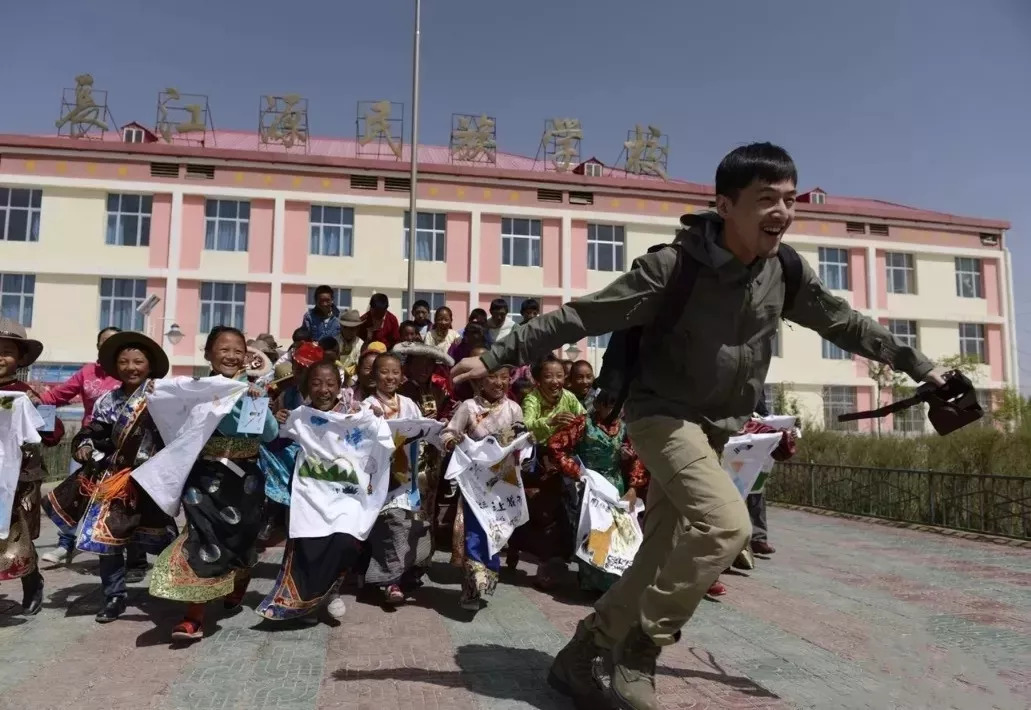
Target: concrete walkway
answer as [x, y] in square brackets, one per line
[844, 615]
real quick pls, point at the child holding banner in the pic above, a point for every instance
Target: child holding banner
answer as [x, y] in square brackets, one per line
[489, 413]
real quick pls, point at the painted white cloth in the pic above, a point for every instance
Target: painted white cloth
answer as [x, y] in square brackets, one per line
[19, 425]
[407, 429]
[780, 422]
[608, 535]
[186, 412]
[488, 476]
[342, 474]
[744, 457]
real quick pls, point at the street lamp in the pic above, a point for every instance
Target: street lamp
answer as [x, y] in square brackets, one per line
[413, 215]
[573, 352]
[175, 335]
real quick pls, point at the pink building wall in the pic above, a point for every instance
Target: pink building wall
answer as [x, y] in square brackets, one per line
[294, 299]
[187, 315]
[992, 293]
[458, 302]
[158, 287]
[864, 401]
[458, 238]
[259, 240]
[882, 279]
[578, 254]
[551, 252]
[256, 309]
[160, 225]
[995, 353]
[297, 239]
[858, 277]
[192, 243]
[490, 249]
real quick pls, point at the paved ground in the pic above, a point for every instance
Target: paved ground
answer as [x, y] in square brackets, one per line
[845, 615]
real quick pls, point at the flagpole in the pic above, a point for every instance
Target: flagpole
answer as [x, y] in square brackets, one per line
[413, 147]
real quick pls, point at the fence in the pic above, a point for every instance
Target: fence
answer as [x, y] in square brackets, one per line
[998, 505]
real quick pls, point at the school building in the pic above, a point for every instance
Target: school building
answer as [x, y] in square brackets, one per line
[233, 232]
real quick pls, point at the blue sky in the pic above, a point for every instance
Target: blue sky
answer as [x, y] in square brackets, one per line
[924, 102]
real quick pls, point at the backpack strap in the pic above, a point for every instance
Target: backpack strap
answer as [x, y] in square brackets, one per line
[679, 288]
[791, 265]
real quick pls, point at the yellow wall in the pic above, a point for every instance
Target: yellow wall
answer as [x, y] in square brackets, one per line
[65, 315]
[936, 294]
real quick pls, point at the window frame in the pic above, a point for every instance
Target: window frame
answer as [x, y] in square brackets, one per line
[26, 297]
[241, 225]
[109, 302]
[840, 268]
[339, 295]
[534, 242]
[33, 210]
[829, 351]
[515, 303]
[615, 244]
[907, 269]
[318, 226]
[114, 235]
[976, 277]
[436, 300]
[209, 304]
[979, 340]
[912, 339]
[600, 342]
[839, 399]
[437, 235]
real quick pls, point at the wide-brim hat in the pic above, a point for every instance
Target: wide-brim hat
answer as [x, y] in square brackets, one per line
[14, 331]
[108, 357]
[350, 318]
[423, 350]
[266, 343]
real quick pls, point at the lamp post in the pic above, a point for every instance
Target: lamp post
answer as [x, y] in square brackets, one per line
[174, 334]
[413, 147]
[573, 352]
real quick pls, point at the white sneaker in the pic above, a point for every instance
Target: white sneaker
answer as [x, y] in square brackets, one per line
[59, 555]
[337, 608]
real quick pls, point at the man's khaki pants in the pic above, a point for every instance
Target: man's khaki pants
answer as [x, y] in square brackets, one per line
[695, 525]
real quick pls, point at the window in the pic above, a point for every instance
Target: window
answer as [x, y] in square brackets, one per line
[908, 421]
[53, 373]
[775, 343]
[429, 236]
[594, 169]
[904, 330]
[434, 298]
[770, 395]
[119, 299]
[834, 268]
[128, 220]
[221, 304]
[520, 242]
[838, 400]
[968, 278]
[971, 341]
[132, 135]
[599, 341]
[228, 223]
[17, 293]
[332, 231]
[19, 214]
[899, 273]
[833, 352]
[605, 246]
[515, 305]
[341, 297]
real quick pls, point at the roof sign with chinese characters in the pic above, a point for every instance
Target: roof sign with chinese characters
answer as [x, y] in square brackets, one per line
[561, 143]
[283, 121]
[84, 112]
[183, 118]
[379, 130]
[473, 138]
[647, 152]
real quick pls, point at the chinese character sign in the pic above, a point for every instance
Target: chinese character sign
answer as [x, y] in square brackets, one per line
[474, 138]
[488, 476]
[608, 535]
[283, 120]
[80, 112]
[377, 124]
[180, 115]
[561, 141]
[647, 152]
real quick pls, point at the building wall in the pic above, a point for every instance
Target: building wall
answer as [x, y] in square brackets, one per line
[71, 257]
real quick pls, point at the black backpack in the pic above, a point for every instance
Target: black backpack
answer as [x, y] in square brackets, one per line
[620, 364]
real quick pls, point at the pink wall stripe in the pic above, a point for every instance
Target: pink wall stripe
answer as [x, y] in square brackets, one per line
[188, 315]
[490, 249]
[551, 252]
[259, 247]
[882, 280]
[995, 353]
[256, 309]
[297, 241]
[193, 232]
[160, 222]
[858, 277]
[990, 274]
[458, 302]
[864, 401]
[578, 258]
[458, 247]
[294, 306]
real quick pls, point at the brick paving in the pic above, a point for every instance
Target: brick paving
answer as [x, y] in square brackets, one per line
[846, 615]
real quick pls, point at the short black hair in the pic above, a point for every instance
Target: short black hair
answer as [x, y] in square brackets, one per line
[538, 367]
[301, 335]
[329, 343]
[528, 304]
[421, 302]
[443, 309]
[109, 329]
[582, 363]
[319, 290]
[763, 162]
[408, 324]
[606, 398]
[474, 328]
[499, 303]
[381, 357]
[310, 372]
[477, 313]
[218, 331]
[379, 300]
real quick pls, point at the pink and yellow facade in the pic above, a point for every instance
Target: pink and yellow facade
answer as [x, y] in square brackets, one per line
[510, 229]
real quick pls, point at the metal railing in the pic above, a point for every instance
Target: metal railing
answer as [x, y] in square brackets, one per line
[997, 505]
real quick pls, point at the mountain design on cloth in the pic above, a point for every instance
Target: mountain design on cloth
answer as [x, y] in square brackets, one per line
[336, 472]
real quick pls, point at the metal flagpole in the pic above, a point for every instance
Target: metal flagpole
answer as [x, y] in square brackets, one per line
[413, 147]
